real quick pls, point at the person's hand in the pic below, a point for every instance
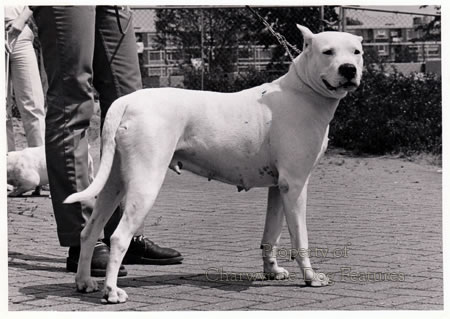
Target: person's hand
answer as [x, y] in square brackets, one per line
[15, 27]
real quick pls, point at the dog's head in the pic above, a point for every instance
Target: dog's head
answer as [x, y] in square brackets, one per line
[10, 168]
[13, 167]
[331, 62]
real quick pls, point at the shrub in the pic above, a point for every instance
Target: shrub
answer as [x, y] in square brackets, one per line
[228, 82]
[390, 113]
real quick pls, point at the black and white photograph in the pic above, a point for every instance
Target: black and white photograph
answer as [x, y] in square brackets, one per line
[224, 157]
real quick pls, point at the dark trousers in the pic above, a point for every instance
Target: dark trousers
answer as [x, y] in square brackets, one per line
[83, 47]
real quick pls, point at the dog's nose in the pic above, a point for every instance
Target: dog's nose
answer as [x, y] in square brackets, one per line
[347, 70]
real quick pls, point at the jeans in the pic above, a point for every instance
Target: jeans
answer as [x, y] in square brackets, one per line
[25, 80]
[83, 48]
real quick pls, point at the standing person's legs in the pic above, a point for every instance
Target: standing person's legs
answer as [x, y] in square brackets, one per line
[117, 73]
[11, 141]
[27, 87]
[67, 38]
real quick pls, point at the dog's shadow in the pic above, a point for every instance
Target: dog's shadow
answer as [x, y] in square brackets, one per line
[41, 191]
[22, 261]
[67, 289]
[31, 195]
[42, 291]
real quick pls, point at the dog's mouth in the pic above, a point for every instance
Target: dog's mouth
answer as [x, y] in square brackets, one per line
[349, 85]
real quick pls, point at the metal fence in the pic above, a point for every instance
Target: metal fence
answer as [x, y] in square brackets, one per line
[410, 42]
[215, 47]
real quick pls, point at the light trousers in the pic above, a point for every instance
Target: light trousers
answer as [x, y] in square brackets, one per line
[25, 81]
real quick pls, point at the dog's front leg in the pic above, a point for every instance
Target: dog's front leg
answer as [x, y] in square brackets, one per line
[271, 236]
[18, 191]
[294, 202]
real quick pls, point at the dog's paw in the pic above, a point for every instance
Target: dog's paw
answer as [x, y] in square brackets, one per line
[317, 279]
[276, 273]
[86, 285]
[16, 193]
[114, 295]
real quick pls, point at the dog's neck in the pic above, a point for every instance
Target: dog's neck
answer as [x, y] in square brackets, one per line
[298, 80]
[301, 67]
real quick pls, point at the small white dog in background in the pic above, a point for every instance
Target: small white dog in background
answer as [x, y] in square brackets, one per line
[27, 170]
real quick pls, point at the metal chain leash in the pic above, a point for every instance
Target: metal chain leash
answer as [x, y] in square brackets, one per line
[281, 39]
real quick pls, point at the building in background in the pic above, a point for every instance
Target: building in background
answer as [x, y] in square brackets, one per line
[391, 38]
[165, 62]
[396, 40]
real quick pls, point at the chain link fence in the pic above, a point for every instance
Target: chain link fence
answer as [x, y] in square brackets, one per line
[228, 48]
[408, 42]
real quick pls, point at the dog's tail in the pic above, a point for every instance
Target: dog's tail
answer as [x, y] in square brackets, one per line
[112, 122]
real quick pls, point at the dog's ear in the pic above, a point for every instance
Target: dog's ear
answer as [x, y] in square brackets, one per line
[359, 38]
[307, 36]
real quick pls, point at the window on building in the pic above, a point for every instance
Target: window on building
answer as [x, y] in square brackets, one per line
[413, 48]
[156, 71]
[382, 50]
[263, 54]
[150, 38]
[155, 56]
[245, 54]
[381, 34]
[433, 51]
[410, 34]
[394, 33]
[174, 55]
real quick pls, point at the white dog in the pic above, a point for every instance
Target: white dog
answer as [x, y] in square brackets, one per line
[271, 136]
[27, 170]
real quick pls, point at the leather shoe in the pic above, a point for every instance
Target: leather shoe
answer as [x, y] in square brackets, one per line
[99, 261]
[144, 251]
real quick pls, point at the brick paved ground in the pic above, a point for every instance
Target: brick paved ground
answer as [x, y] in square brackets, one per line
[375, 225]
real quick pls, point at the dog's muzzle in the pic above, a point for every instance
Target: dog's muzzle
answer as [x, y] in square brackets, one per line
[349, 85]
[347, 72]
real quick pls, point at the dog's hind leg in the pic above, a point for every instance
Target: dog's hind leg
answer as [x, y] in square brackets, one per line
[107, 201]
[271, 236]
[143, 176]
[142, 190]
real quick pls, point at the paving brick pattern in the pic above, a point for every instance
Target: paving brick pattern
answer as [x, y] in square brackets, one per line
[375, 226]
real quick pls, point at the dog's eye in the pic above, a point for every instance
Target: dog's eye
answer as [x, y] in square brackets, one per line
[357, 52]
[328, 52]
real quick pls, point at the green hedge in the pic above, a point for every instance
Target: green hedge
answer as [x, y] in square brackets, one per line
[222, 82]
[389, 113]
